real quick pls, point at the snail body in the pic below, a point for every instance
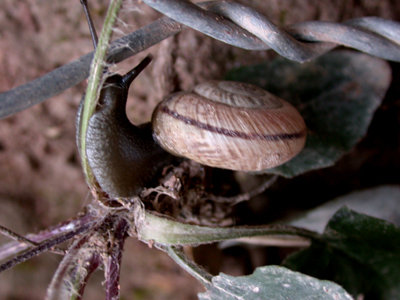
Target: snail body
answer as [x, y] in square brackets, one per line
[229, 125]
[123, 157]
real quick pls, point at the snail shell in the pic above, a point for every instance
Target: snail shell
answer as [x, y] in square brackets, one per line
[229, 125]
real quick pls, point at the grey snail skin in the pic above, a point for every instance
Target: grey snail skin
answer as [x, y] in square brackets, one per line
[123, 157]
[229, 125]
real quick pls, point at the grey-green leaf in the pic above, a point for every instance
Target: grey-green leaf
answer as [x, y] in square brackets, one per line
[337, 94]
[162, 230]
[274, 283]
[359, 252]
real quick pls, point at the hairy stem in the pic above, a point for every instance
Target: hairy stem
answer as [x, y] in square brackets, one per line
[94, 84]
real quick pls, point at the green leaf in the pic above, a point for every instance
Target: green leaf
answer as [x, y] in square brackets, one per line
[359, 252]
[270, 282]
[337, 94]
[275, 283]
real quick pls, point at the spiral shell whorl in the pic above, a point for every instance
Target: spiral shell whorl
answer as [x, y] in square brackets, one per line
[229, 133]
[237, 94]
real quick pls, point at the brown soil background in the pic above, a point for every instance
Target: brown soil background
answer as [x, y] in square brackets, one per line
[41, 181]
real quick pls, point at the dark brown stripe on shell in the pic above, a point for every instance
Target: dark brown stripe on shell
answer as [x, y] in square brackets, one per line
[233, 133]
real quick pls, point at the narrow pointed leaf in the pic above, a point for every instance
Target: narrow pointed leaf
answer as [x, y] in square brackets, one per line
[165, 231]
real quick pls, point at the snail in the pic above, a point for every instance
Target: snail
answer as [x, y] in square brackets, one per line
[229, 125]
[223, 124]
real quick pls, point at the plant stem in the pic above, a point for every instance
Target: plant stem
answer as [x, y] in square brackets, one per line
[165, 231]
[188, 265]
[113, 261]
[94, 85]
[70, 272]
